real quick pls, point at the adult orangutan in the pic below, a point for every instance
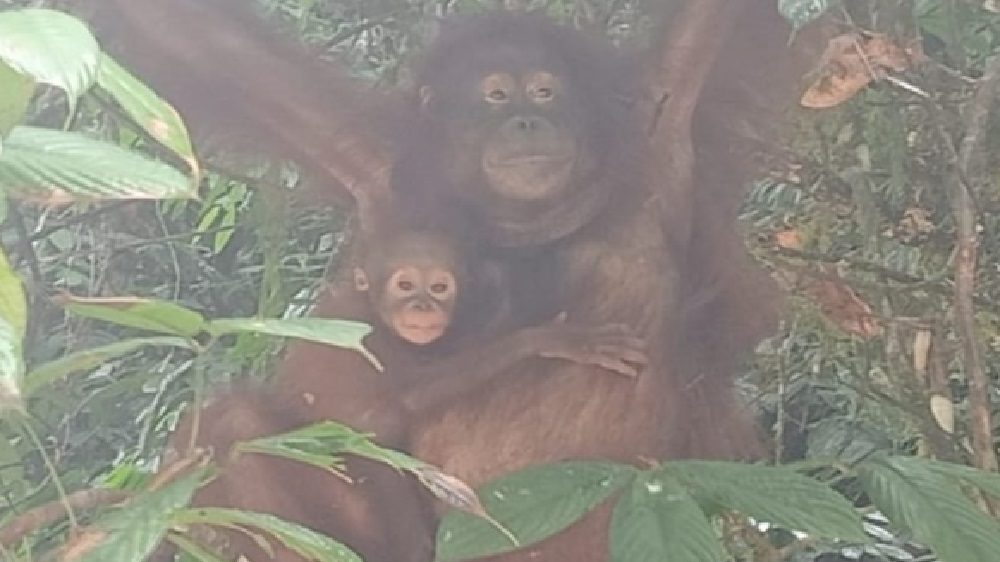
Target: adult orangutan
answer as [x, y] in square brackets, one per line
[530, 129]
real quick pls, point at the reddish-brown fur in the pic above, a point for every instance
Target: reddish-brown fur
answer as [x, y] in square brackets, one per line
[317, 382]
[615, 267]
[695, 300]
[304, 494]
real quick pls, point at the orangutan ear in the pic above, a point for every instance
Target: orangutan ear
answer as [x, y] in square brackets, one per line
[361, 280]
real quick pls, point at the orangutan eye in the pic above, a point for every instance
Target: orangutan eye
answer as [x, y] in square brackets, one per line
[405, 285]
[439, 288]
[497, 87]
[497, 96]
[542, 94]
[541, 86]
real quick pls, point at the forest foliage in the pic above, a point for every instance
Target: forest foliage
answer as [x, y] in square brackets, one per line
[137, 275]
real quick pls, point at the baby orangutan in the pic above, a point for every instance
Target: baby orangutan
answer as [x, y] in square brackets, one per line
[441, 314]
[440, 331]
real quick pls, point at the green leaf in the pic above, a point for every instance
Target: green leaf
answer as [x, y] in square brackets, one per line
[341, 333]
[48, 373]
[532, 504]
[146, 314]
[305, 542]
[221, 211]
[846, 440]
[15, 94]
[13, 322]
[13, 303]
[46, 166]
[52, 47]
[657, 520]
[318, 444]
[132, 532]
[932, 506]
[127, 474]
[777, 495]
[801, 12]
[988, 482]
[152, 113]
[11, 368]
[323, 444]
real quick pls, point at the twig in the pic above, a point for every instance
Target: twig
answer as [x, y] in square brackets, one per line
[90, 214]
[932, 284]
[25, 241]
[854, 263]
[172, 238]
[44, 514]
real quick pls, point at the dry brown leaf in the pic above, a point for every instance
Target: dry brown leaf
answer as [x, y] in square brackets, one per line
[852, 61]
[456, 493]
[915, 224]
[789, 238]
[843, 307]
[451, 490]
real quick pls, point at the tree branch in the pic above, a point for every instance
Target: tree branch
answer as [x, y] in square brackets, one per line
[976, 118]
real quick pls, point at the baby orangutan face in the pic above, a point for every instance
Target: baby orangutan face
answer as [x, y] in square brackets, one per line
[413, 288]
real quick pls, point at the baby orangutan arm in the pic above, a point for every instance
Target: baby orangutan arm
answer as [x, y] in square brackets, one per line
[612, 347]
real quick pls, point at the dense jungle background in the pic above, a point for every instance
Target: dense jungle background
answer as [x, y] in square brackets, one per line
[879, 214]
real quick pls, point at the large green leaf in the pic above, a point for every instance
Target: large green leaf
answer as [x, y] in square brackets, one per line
[48, 373]
[146, 314]
[47, 166]
[777, 495]
[52, 47]
[656, 520]
[132, 532]
[341, 333]
[306, 542]
[532, 504]
[988, 482]
[15, 94]
[846, 440]
[152, 113]
[932, 506]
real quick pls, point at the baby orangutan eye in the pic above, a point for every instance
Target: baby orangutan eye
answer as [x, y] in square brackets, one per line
[542, 94]
[497, 96]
